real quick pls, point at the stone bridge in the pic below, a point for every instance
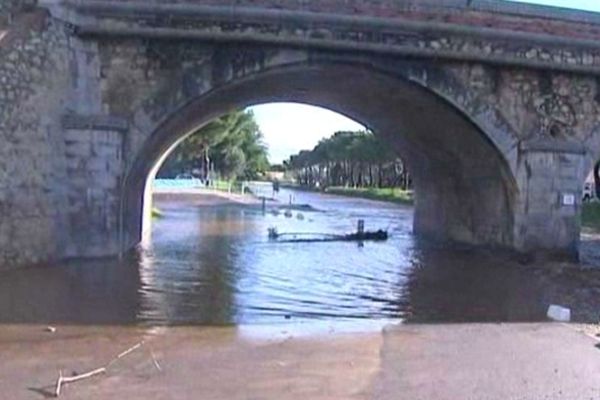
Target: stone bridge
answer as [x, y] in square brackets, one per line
[495, 106]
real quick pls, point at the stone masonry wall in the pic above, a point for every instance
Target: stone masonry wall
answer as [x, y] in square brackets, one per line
[32, 89]
[555, 119]
[547, 181]
[60, 185]
[94, 168]
[7, 9]
[148, 82]
[419, 10]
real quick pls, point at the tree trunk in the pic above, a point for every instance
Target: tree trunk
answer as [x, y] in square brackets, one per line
[206, 162]
[597, 179]
[359, 180]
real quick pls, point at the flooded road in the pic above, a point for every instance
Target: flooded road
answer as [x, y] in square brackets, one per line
[210, 262]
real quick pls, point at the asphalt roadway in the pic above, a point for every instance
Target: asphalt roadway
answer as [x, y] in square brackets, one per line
[489, 362]
[413, 362]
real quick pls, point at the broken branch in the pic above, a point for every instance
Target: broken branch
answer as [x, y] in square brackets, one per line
[124, 353]
[129, 350]
[70, 379]
[155, 361]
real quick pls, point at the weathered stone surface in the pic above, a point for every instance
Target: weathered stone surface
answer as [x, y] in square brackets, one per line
[33, 88]
[496, 131]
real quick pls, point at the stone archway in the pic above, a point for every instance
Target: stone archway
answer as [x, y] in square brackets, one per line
[465, 188]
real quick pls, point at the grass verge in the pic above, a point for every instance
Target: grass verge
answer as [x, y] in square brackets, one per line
[156, 213]
[225, 186]
[590, 215]
[394, 195]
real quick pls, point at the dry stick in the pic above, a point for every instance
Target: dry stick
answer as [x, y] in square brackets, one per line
[155, 361]
[131, 349]
[58, 384]
[70, 379]
[123, 354]
[63, 380]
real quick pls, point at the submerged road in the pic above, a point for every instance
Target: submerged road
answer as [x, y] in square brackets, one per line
[209, 262]
[226, 314]
[414, 362]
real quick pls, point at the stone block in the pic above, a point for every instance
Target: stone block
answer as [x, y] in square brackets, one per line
[97, 165]
[78, 148]
[76, 135]
[109, 152]
[106, 181]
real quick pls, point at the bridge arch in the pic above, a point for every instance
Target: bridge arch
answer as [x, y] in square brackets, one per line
[464, 185]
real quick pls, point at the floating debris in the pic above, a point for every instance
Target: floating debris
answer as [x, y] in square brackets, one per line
[307, 237]
[63, 380]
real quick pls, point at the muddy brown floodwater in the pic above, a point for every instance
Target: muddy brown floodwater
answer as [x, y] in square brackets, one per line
[210, 262]
[225, 313]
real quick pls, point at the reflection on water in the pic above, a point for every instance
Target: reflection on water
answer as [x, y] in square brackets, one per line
[220, 267]
[213, 264]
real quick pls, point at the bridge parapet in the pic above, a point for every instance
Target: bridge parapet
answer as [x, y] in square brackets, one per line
[441, 10]
[488, 32]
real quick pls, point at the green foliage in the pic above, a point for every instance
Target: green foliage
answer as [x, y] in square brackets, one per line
[349, 159]
[394, 195]
[590, 215]
[230, 146]
[233, 163]
[157, 213]
[278, 168]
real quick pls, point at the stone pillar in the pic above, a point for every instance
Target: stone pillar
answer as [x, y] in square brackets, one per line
[94, 157]
[465, 205]
[550, 178]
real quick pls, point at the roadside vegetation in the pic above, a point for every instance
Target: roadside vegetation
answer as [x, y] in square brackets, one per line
[157, 213]
[230, 149]
[353, 164]
[395, 195]
[227, 149]
[350, 160]
[590, 215]
[590, 211]
[227, 186]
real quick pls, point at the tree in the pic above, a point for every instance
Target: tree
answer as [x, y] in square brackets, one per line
[597, 179]
[231, 145]
[233, 163]
[357, 159]
[278, 167]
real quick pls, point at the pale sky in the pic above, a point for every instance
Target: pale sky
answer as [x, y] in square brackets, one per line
[289, 128]
[590, 5]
